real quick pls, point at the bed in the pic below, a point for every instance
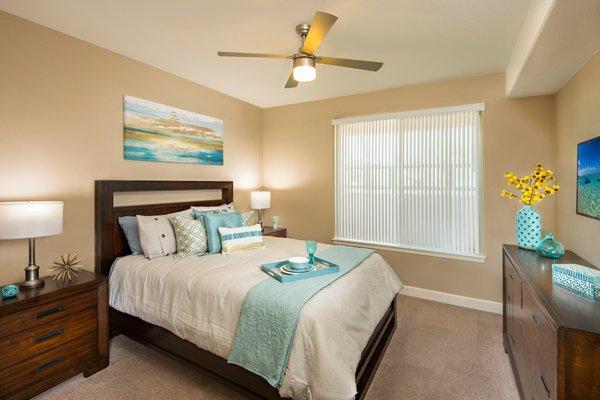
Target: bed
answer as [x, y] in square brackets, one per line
[191, 316]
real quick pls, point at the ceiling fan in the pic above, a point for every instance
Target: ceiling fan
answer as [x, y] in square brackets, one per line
[304, 61]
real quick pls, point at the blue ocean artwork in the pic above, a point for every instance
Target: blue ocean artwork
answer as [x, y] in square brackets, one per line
[588, 178]
[155, 132]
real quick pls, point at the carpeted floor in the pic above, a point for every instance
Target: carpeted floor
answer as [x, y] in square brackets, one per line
[438, 352]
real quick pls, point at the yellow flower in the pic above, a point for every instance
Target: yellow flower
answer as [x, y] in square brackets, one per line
[533, 187]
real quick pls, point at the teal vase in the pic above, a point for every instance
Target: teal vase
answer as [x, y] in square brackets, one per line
[549, 247]
[528, 227]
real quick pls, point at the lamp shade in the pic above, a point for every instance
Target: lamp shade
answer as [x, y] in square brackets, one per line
[30, 219]
[260, 200]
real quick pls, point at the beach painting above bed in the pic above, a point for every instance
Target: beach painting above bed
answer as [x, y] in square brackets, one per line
[588, 178]
[155, 132]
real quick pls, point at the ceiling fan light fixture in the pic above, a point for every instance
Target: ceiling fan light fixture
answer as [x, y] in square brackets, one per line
[304, 69]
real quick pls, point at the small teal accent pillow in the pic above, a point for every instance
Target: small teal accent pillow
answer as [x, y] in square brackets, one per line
[132, 234]
[214, 221]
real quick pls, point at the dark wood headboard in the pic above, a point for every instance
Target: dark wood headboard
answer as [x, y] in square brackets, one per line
[110, 240]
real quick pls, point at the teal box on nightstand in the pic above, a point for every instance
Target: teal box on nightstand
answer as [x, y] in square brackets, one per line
[578, 278]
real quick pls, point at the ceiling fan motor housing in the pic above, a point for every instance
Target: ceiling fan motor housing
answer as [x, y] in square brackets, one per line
[301, 60]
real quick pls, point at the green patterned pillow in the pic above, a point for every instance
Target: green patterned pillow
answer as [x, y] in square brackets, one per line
[248, 218]
[190, 235]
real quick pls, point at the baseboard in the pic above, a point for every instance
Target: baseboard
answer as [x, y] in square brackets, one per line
[454, 299]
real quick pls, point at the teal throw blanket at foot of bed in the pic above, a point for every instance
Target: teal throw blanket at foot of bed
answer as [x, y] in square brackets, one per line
[271, 311]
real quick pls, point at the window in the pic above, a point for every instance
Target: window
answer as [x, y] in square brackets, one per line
[411, 180]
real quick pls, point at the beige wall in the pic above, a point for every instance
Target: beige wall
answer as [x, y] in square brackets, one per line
[61, 128]
[298, 168]
[577, 120]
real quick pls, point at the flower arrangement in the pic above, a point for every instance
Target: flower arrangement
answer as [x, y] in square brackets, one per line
[533, 187]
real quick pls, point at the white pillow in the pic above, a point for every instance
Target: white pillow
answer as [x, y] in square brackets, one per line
[157, 236]
[228, 208]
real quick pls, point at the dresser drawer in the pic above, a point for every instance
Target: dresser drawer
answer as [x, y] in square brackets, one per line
[543, 340]
[519, 351]
[513, 282]
[25, 344]
[64, 360]
[47, 312]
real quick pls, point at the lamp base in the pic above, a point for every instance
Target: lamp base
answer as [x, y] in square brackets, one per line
[32, 272]
[31, 284]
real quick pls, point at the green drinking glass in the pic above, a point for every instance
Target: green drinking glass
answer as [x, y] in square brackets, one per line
[311, 249]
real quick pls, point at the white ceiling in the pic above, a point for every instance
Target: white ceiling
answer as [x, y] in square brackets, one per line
[418, 40]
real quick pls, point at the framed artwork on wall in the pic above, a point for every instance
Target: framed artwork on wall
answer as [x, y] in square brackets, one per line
[155, 132]
[588, 178]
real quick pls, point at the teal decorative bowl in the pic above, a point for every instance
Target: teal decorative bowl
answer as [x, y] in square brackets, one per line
[9, 291]
[549, 247]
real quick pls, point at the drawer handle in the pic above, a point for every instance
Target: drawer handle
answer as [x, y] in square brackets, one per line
[50, 311]
[521, 326]
[49, 335]
[545, 385]
[508, 297]
[48, 364]
[535, 319]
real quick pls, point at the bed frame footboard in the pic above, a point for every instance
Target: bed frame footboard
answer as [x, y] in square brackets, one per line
[244, 381]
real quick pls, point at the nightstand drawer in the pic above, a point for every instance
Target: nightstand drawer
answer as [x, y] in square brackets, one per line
[63, 361]
[47, 312]
[25, 344]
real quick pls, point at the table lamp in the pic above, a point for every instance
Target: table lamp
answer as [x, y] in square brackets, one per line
[260, 201]
[30, 220]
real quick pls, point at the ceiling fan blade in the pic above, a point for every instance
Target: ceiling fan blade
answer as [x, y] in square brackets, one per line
[320, 25]
[291, 82]
[349, 63]
[259, 55]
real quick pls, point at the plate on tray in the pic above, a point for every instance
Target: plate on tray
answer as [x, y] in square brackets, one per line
[284, 269]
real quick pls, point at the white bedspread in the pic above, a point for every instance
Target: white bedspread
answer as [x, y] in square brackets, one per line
[200, 298]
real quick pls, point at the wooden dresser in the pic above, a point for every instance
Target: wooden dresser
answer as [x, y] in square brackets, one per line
[52, 333]
[551, 334]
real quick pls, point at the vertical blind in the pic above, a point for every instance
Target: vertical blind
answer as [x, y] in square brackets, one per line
[410, 180]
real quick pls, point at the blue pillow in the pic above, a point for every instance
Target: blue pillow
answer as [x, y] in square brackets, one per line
[197, 214]
[132, 234]
[214, 221]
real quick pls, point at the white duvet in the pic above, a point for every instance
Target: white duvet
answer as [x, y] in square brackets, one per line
[200, 298]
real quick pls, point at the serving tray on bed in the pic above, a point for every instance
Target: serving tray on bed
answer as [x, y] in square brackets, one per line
[322, 267]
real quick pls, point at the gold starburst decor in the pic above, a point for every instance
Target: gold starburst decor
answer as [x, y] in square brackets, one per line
[65, 267]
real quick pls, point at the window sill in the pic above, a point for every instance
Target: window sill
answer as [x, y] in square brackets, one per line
[422, 252]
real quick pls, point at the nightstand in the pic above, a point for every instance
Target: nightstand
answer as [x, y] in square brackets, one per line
[279, 232]
[51, 333]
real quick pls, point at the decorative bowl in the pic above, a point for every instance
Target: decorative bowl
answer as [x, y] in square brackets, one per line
[9, 291]
[298, 263]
